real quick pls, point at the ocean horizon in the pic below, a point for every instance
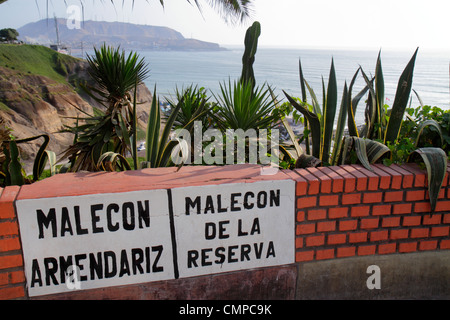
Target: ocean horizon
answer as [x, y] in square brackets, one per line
[279, 68]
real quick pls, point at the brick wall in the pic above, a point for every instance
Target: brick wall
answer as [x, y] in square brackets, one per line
[341, 212]
[349, 211]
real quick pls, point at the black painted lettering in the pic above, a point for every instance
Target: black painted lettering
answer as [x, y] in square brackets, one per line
[137, 259]
[66, 225]
[223, 229]
[159, 251]
[96, 265]
[45, 221]
[110, 264]
[240, 232]
[209, 207]
[255, 227]
[192, 257]
[247, 204]
[262, 200]
[144, 214]
[36, 277]
[124, 264]
[245, 252]
[258, 250]
[232, 253]
[95, 218]
[109, 210]
[275, 198]
[219, 205]
[210, 231]
[271, 250]
[128, 216]
[51, 268]
[234, 201]
[80, 229]
[64, 264]
[205, 257]
[220, 253]
[192, 204]
[80, 266]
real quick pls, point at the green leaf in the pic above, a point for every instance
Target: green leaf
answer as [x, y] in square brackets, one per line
[400, 101]
[329, 114]
[429, 123]
[435, 161]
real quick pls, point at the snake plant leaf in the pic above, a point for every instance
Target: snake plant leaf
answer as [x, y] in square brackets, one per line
[375, 150]
[361, 152]
[329, 113]
[400, 101]
[15, 168]
[302, 81]
[379, 87]
[345, 105]
[110, 161]
[314, 124]
[435, 161]
[429, 123]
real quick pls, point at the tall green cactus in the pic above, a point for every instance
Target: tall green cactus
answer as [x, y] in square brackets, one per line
[251, 45]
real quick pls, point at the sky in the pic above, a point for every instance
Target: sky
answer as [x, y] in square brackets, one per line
[405, 24]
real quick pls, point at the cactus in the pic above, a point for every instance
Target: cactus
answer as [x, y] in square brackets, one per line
[251, 45]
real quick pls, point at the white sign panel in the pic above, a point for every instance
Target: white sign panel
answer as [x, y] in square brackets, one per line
[94, 241]
[234, 226]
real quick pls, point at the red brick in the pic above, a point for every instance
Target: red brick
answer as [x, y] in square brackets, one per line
[408, 177]
[422, 207]
[428, 245]
[318, 214]
[12, 293]
[381, 210]
[337, 180]
[7, 199]
[369, 223]
[387, 248]
[411, 221]
[361, 179]
[385, 178]
[307, 202]
[399, 234]
[440, 231]
[393, 196]
[373, 197]
[339, 212]
[348, 225]
[357, 237]
[13, 277]
[445, 244]
[390, 222]
[432, 219]
[313, 182]
[415, 195]
[379, 235]
[9, 244]
[315, 241]
[407, 247]
[324, 254]
[396, 178]
[12, 261]
[325, 201]
[8, 228]
[353, 198]
[403, 208]
[374, 179]
[337, 238]
[299, 243]
[419, 174]
[304, 256]
[346, 252]
[442, 206]
[366, 250]
[325, 181]
[360, 211]
[326, 226]
[419, 233]
[300, 216]
[306, 228]
[446, 218]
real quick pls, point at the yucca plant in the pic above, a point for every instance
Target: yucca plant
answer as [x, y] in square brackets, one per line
[113, 129]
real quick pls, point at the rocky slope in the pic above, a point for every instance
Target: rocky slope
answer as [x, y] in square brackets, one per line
[33, 104]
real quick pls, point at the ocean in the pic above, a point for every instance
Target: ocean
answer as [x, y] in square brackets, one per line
[279, 68]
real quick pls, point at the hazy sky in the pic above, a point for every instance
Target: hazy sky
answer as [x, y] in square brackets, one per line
[301, 23]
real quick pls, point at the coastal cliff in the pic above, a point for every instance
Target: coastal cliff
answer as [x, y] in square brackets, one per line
[39, 91]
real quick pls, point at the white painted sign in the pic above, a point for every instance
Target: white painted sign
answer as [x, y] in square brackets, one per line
[234, 226]
[104, 240]
[110, 239]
